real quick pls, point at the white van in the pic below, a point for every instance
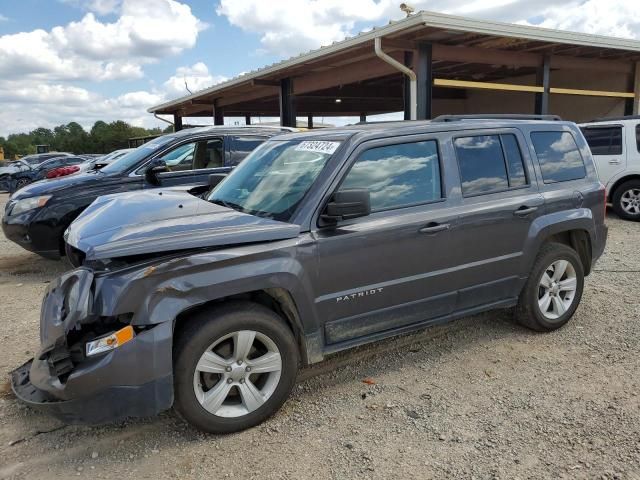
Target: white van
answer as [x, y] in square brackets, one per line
[615, 145]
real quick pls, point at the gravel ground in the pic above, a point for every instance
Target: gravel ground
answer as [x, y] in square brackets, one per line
[478, 398]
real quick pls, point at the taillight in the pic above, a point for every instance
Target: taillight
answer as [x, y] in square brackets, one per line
[603, 192]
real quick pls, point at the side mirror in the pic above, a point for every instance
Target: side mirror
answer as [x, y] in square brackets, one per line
[215, 179]
[346, 204]
[151, 174]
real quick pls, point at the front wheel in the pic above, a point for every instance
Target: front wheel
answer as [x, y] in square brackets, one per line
[554, 289]
[22, 182]
[234, 366]
[626, 200]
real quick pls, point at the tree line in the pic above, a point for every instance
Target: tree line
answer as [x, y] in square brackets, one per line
[102, 138]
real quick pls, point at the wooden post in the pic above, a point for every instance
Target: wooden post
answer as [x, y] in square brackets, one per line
[309, 121]
[287, 106]
[543, 79]
[177, 122]
[363, 117]
[424, 72]
[218, 116]
[632, 105]
[247, 119]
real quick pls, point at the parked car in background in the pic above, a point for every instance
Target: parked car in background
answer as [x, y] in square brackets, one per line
[39, 171]
[317, 243]
[615, 146]
[22, 165]
[36, 216]
[104, 160]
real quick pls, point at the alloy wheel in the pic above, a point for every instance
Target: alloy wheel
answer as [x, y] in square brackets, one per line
[557, 289]
[237, 373]
[630, 201]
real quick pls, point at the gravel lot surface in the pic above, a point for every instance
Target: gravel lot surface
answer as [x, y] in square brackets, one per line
[479, 398]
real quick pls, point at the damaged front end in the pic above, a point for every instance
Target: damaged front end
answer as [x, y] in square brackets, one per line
[94, 368]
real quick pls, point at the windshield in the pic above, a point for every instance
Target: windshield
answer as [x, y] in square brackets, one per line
[132, 158]
[274, 178]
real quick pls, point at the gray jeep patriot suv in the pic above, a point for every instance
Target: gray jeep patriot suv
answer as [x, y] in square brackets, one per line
[316, 243]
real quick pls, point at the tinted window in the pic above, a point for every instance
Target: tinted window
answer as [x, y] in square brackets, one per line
[243, 146]
[209, 154]
[558, 155]
[638, 136]
[604, 140]
[489, 163]
[180, 158]
[397, 175]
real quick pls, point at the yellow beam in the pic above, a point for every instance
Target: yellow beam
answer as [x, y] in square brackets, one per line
[591, 93]
[442, 82]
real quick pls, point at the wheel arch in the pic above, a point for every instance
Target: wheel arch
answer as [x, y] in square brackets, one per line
[277, 299]
[619, 182]
[572, 228]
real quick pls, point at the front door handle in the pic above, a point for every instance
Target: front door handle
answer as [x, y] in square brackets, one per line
[615, 161]
[434, 228]
[524, 211]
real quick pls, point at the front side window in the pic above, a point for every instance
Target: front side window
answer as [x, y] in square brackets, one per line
[397, 175]
[559, 157]
[209, 154]
[489, 163]
[604, 140]
[181, 158]
[272, 181]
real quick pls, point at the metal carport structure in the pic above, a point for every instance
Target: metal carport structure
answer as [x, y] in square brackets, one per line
[429, 64]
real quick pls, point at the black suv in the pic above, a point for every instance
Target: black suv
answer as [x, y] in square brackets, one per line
[37, 216]
[318, 242]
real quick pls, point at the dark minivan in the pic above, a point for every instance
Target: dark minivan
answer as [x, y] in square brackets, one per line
[37, 216]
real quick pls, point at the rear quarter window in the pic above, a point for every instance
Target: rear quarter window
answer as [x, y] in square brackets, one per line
[604, 140]
[559, 157]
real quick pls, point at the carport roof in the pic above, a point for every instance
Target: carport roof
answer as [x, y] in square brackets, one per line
[447, 32]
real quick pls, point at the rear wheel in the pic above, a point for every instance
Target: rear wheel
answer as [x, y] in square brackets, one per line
[554, 289]
[234, 367]
[626, 200]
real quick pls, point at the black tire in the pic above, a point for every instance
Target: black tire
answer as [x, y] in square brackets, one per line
[201, 331]
[528, 312]
[21, 182]
[617, 198]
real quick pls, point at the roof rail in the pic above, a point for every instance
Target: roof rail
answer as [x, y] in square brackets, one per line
[500, 116]
[613, 119]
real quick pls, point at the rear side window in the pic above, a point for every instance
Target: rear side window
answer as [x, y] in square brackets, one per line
[638, 136]
[397, 175]
[489, 163]
[604, 140]
[558, 155]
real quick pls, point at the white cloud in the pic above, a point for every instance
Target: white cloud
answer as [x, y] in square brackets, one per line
[3, 18]
[615, 17]
[101, 7]
[196, 78]
[144, 32]
[28, 104]
[289, 28]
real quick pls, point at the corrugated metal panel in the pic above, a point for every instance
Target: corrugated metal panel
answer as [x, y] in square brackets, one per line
[422, 19]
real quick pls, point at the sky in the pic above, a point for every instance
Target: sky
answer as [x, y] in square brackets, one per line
[89, 60]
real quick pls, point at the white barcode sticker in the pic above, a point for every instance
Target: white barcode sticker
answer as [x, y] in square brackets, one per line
[318, 146]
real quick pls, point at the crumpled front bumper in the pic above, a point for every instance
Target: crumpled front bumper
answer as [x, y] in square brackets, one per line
[135, 379]
[107, 405]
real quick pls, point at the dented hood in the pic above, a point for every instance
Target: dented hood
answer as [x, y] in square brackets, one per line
[165, 220]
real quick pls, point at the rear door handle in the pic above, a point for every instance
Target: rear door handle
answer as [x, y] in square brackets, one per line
[524, 211]
[614, 161]
[434, 228]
